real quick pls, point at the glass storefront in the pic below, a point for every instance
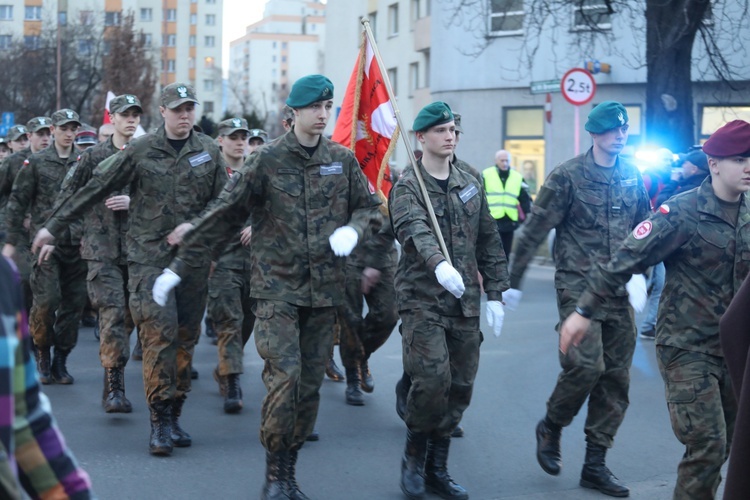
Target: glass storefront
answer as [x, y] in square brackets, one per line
[524, 139]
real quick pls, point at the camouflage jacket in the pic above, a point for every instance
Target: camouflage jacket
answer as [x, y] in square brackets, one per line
[235, 255]
[591, 215]
[297, 202]
[706, 256]
[35, 190]
[167, 188]
[104, 230]
[470, 235]
[468, 169]
[8, 170]
[378, 252]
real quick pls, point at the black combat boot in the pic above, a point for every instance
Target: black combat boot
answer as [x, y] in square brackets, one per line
[291, 478]
[180, 438]
[354, 394]
[43, 364]
[436, 477]
[233, 398]
[275, 487]
[332, 370]
[597, 476]
[160, 443]
[114, 400]
[137, 353]
[367, 384]
[402, 392]
[548, 446]
[458, 432]
[412, 464]
[58, 370]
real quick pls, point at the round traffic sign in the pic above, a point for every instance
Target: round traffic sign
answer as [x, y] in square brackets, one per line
[578, 86]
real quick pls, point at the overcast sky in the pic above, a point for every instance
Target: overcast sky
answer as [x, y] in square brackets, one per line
[238, 14]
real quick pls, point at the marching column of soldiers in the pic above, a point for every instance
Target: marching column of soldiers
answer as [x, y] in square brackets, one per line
[262, 234]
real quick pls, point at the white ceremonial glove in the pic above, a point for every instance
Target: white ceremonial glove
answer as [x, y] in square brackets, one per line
[637, 292]
[343, 240]
[495, 316]
[450, 279]
[512, 297]
[163, 285]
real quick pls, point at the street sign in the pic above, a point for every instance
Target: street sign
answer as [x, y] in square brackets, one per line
[8, 119]
[4, 130]
[545, 86]
[578, 86]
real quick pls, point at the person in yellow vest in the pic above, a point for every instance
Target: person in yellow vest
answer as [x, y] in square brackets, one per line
[508, 197]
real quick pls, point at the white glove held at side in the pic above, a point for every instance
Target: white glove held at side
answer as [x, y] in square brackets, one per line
[343, 240]
[163, 285]
[495, 316]
[637, 292]
[512, 297]
[450, 279]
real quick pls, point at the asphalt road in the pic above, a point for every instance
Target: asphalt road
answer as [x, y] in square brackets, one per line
[358, 456]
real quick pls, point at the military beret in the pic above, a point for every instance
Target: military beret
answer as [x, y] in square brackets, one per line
[433, 114]
[16, 131]
[258, 133]
[64, 116]
[175, 94]
[232, 125]
[606, 116]
[308, 90]
[733, 139]
[457, 121]
[38, 123]
[124, 102]
[86, 137]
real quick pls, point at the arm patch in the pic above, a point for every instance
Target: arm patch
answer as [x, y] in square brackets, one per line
[545, 196]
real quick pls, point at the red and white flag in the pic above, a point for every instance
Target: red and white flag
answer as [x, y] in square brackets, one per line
[367, 123]
[110, 96]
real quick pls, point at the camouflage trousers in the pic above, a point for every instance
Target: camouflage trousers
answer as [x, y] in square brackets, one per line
[702, 409]
[441, 355]
[294, 343]
[107, 284]
[168, 334]
[59, 289]
[597, 369]
[230, 309]
[361, 337]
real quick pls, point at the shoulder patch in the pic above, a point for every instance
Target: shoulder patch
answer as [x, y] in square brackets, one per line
[642, 230]
[544, 197]
[664, 209]
[25, 162]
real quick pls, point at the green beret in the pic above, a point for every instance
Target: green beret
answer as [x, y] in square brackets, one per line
[433, 114]
[308, 90]
[606, 116]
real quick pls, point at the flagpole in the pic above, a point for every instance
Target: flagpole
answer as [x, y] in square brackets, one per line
[425, 195]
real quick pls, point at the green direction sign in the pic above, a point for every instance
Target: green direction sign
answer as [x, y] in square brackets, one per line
[545, 86]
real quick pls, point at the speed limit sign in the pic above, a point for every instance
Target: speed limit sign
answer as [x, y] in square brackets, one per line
[578, 86]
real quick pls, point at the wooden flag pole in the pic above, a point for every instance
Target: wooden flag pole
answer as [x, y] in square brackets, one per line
[425, 195]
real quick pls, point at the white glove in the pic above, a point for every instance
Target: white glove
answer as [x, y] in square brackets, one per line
[637, 292]
[495, 316]
[343, 240]
[163, 285]
[512, 297]
[449, 278]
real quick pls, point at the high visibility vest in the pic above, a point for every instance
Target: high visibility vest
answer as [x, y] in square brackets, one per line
[503, 200]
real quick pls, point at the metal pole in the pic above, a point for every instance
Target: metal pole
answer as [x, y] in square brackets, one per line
[425, 195]
[59, 62]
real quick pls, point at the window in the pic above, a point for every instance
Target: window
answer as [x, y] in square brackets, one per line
[208, 62]
[62, 18]
[111, 18]
[6, 12]
[87, 17]
[273, 58]
[283, 45]
[193, 19]
[85, 47]
[33, 13]
[147, 15]
[283, 58]
[6, 41]
[393, 77]
[426, 69]
[170, 66]
[591, 15]
[210, 19]
[146, 39]
[170, 14]
[169, 40]
[373, 18]
[413, 78]
[208, 106]
[191, 41]
[416, 12]
[524, 139]
[31, 42]
[506, 17]
[393, 20]
[713, 117]
[208, 85]
[211, 2]
[210, 41]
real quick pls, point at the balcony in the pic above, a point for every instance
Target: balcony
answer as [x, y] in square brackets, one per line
[422, 34]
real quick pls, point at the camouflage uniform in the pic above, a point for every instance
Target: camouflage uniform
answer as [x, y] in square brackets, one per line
[706, 258]
[103, 249]
[361, 337]
[440, 334]
[592, 214]
[469, 169]
[59, 284]
[295, 277]
[167, 188]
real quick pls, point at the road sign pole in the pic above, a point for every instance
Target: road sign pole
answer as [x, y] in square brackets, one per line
[577, 133]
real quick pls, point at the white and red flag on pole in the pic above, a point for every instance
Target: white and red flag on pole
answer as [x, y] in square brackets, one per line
[367, 123]
[110, 96]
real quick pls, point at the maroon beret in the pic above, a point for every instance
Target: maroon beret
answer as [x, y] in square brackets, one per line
[733, 139]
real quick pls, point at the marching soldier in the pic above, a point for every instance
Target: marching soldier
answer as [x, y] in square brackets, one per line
[17, 138]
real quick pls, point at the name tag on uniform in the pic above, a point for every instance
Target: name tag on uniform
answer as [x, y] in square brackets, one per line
[332, 169]
[468, 193]
[287, 171]
[629, 182]
[199, 159]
